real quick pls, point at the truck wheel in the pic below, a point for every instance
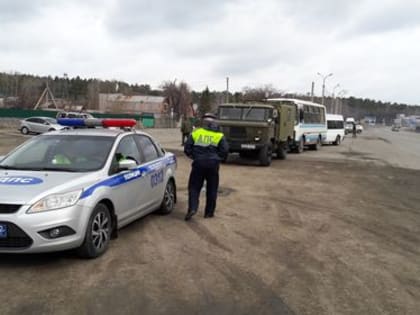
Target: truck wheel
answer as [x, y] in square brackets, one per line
[265, 155]
[316, 145]
[281, 152]
[337, 141]
[98, 233]
[299, 148]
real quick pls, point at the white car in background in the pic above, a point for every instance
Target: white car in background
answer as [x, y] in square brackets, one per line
[39, 125]
[335, 129]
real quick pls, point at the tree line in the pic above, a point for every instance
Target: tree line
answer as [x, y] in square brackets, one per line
[23, 91]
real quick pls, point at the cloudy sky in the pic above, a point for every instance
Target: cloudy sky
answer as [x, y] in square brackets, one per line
[372, 47]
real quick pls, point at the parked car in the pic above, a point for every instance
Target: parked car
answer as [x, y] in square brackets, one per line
[75, 188]
[348, 127]
[73, 115]
[39, 125]
[395, 128]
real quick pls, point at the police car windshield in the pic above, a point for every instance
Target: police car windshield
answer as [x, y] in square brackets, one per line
[68, 153]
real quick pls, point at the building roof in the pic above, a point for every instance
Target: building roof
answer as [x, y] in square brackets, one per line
[118, 97]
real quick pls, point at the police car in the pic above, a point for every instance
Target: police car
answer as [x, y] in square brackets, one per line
[74, 188]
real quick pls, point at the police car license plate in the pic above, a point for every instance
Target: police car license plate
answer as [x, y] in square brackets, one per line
[3, 230]
[247, 146]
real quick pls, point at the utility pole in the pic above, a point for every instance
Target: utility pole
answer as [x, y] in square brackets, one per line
[16, 77]
[312, 91]
[323, 84]
[227, 89]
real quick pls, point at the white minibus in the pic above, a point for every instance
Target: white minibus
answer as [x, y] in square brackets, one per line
[335, 129]
[310, 123]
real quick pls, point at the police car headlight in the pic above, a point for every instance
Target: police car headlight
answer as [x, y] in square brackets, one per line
[257, 139]
[56, 201]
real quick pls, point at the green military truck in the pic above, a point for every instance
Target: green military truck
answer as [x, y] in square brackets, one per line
[257, 130]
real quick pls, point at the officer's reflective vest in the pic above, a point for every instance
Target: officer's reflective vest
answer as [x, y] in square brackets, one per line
[204, 137]
[60, 159]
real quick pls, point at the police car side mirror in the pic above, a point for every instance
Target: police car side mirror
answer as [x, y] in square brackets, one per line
[126, 165]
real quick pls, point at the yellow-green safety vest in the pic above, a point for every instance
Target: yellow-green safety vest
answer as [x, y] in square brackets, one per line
[204, 137]
[60, 159]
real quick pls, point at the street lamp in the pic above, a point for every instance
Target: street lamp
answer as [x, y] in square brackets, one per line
[323, 84]
[335, 109]
[341, 94]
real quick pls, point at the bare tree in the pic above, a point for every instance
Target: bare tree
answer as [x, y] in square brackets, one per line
[178, 96]
[258, 93]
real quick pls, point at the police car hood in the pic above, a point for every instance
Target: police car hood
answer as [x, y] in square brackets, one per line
[27, 187]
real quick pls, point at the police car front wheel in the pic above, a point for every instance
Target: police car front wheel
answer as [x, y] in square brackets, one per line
[98, 233]
[169, 198]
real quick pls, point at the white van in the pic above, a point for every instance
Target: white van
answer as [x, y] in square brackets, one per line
[335, 129]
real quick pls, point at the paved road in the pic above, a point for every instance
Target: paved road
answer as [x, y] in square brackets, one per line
[377, 145]
[309, 235]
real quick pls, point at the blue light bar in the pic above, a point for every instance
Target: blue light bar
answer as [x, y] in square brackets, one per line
[71, 122]
[97, 122]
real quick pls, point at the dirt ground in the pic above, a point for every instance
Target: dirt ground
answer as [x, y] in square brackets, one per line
[304, 236]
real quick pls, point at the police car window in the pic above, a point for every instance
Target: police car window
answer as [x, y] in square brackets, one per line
[31, 154]
[147, 148]
[61, 152]
[127, 148]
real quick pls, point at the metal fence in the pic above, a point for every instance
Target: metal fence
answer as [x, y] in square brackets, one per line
[10, 118]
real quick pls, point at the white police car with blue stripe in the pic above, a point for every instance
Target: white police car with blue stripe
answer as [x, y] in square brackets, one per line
[74, 188]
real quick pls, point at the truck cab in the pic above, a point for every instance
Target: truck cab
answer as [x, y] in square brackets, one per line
[256, 130]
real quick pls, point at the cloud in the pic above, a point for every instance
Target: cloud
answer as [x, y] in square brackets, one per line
[18, 11]
[389, 15]
[371, 47]
[139, 17]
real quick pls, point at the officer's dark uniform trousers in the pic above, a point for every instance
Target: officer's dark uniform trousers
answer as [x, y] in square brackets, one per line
[206, 147]
[207, 170]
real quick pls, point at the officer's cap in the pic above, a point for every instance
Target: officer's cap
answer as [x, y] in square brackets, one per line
[209, 116]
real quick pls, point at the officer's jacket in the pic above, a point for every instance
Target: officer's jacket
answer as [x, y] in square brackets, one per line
[206, 143]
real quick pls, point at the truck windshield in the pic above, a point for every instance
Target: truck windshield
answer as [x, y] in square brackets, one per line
[244, 113]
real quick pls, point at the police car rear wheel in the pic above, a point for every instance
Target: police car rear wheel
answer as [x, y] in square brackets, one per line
[168, 202]
[98, 233]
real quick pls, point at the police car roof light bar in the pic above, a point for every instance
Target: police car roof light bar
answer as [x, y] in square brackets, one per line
[71, 122]
[119, 122]
[95, 122]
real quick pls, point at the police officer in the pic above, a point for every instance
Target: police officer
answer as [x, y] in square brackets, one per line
[206, 146]
[186, 128]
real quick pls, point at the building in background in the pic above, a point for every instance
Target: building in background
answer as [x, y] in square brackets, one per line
[136, 104]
